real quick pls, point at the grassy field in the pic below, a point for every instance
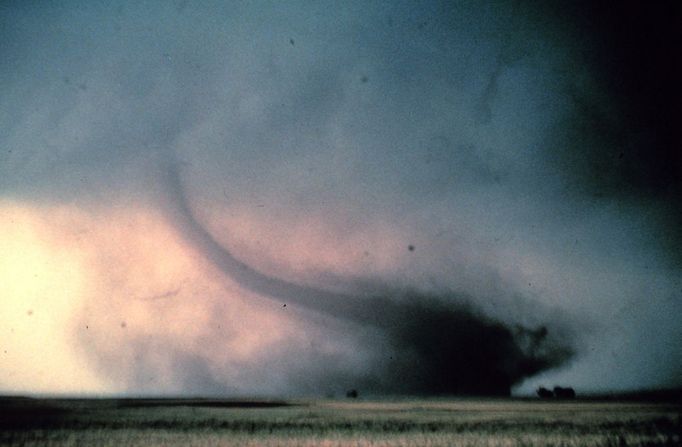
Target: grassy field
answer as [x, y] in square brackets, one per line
[460, 422]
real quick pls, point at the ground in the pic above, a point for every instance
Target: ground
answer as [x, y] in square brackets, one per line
[394, 422]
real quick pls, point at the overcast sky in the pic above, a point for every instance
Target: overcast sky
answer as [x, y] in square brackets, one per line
[286, 198]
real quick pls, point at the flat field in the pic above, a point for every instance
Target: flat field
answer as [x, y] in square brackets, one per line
[438, 422]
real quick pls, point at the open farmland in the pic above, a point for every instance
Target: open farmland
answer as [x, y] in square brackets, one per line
[459, 422]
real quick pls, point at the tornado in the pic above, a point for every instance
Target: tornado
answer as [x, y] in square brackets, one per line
[445, 345]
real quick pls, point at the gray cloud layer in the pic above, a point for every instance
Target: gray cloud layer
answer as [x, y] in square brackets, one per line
[488, 136]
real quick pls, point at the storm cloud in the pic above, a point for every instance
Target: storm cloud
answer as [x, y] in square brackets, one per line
[403, 197]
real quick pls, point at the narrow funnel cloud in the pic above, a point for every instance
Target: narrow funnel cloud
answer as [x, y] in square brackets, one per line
[338, 305]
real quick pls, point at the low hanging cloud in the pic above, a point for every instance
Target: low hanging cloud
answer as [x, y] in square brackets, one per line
[426, 198]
